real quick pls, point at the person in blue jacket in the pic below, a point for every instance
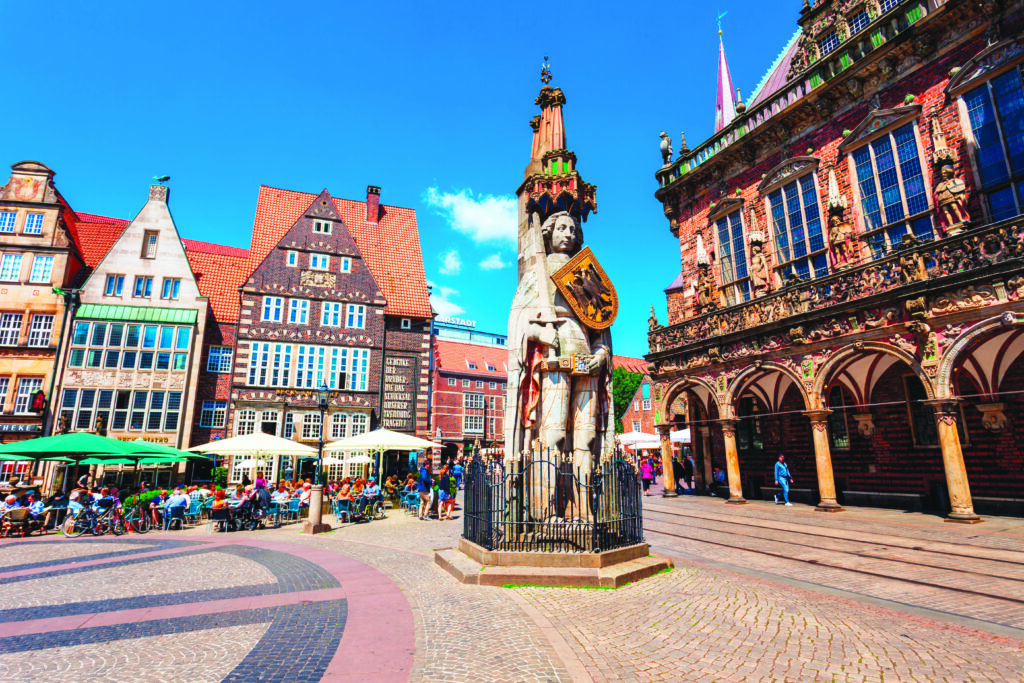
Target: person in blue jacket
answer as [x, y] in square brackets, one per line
[783, 479]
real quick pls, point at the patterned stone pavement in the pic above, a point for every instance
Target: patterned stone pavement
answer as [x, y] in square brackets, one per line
[758, 594]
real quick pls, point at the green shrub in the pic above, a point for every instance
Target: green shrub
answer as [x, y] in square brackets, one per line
[220, 476]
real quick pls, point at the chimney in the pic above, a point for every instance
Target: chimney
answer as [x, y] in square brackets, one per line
[372, 203]
[159, 192]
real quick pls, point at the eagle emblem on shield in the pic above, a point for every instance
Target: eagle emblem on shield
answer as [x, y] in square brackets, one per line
[587, 289]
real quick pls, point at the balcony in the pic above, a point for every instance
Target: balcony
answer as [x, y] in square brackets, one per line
[869, 296]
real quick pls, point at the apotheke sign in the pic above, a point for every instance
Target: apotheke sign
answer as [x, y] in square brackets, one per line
[461, 322]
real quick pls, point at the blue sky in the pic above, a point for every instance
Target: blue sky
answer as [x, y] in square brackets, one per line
[431, 101]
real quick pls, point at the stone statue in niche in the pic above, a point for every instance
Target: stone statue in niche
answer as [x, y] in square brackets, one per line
[951, 200]
[759, 272]
[705, 289]
[841, 235]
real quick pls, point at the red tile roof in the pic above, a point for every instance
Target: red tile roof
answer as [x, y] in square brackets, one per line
[454, 357]
[219, 271]
[630, 364]
[96, 235]
[391, 247]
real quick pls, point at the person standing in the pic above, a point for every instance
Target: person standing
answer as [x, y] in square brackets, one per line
[425, 487]
[783, 479]
[677, 470]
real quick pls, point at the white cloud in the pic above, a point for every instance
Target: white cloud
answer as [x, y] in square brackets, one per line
[482, 218]
[442, 302]
[451, 263]
[493, 262]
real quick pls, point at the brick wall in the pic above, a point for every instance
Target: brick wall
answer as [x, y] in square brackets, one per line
[212, 386]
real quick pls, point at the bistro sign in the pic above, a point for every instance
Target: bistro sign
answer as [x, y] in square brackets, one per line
[19, 427]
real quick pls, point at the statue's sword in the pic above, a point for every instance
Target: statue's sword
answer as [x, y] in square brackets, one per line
[544, 315]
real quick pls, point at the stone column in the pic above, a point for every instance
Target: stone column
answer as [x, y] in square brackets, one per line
[315, 523]
[732, 462]
[823, 461]
[668, 478]
[947, 413]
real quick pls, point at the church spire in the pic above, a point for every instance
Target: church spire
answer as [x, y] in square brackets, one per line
[725, 107]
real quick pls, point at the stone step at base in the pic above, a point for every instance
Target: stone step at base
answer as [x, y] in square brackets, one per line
[468, 570]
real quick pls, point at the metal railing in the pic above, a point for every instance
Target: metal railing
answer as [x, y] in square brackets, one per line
[544, 504]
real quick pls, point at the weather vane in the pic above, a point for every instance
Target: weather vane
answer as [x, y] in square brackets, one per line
[162, 179]
[545, 71]
[720, 17]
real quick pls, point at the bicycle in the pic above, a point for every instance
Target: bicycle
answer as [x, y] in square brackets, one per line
[136, 519]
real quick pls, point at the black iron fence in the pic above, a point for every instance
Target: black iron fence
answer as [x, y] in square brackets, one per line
[544, 504]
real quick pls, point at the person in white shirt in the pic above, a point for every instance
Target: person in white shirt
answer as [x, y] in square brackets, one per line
[307, 492]
[281, 495]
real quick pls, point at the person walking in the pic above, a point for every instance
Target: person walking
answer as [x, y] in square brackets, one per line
[783, 479]
[677, 470]
[688, 473]
[646, 475]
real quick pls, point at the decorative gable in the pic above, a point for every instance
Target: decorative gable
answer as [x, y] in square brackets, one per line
[725, 207]
[786, 170]
[877, 121]
[984, 64]
[275, 275]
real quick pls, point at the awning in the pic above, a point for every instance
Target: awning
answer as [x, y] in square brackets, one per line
[149, 314]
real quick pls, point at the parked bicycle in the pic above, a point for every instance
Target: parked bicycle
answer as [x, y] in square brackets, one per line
[107, 518]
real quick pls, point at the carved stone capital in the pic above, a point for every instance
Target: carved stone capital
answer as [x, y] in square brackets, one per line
[992, 417]
[865, 424]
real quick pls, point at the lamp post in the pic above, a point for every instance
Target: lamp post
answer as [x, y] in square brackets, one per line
[315, 524]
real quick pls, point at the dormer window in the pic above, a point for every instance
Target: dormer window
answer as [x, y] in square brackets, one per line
[859, 21]
[829, 43]
[490, 367]
[149, 239]
[323, 227]
[406, 324]
[471, 365]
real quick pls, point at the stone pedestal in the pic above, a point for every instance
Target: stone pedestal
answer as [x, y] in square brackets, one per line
[473, 564]
[315, 524]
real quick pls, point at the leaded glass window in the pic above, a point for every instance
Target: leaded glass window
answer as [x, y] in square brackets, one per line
[796, 225]
[732, 258]
[996, 114]
[893, 197]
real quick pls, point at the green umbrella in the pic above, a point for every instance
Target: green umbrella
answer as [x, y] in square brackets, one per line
[75, 443]
[15, 458]
[106, 461]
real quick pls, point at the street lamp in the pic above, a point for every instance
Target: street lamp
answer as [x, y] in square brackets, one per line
[315, 523]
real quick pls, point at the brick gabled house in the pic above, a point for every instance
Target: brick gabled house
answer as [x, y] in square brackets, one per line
[335, 295]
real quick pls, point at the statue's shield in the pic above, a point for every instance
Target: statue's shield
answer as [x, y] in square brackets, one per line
[585, 285]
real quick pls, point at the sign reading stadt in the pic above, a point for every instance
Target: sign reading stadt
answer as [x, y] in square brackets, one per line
[397, 410]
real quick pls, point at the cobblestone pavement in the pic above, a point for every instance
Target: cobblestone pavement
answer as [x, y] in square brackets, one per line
[194, 607]
[758, 594]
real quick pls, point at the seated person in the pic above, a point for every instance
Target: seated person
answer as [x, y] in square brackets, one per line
[105, 501]
[307, 492]
[178, 500]
[9, 503]
[156, 504]
[391, 486]
[344, 490]
[238, 493]
[281, 495]
[35, 506]
[220, 502]
[371, 491]
[719, 476]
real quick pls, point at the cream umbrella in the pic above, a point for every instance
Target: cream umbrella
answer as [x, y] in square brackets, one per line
[255, 445]
[378, 441]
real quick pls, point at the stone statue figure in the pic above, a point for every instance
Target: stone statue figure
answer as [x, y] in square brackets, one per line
[666, 148]
[652, 322]
[560, 380]
[759, 273]
[705, 289]
[840, 239]
[951, 198]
